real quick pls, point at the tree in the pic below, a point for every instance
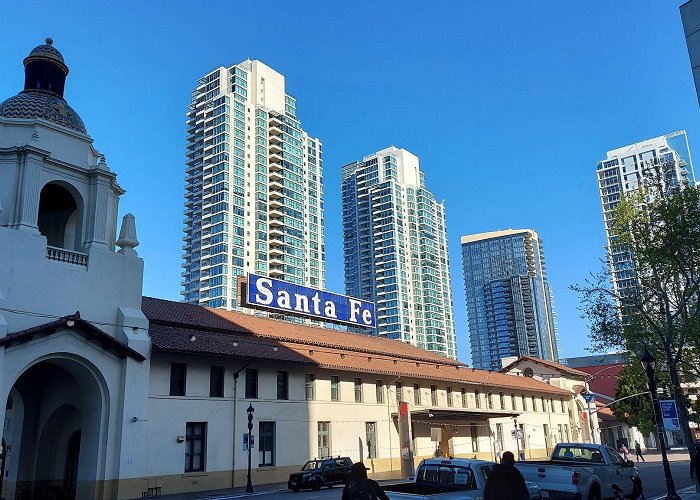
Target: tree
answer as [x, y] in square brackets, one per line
[636, 411]
[659, 226]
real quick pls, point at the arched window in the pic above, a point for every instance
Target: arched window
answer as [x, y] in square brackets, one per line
[528, 372]
[58, 216]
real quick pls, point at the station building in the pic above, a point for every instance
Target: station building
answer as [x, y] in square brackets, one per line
[109, 394]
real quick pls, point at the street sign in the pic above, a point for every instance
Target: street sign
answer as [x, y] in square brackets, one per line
[245, 441]
[589, 397]
[281, 296]
[669, 415]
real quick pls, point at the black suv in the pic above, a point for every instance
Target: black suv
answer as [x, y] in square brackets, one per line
[321, 472]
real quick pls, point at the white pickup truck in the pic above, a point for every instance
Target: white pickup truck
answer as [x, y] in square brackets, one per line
[447, 479]
[580, 471]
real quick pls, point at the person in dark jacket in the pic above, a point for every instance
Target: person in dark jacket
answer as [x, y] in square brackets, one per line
[695, 468]
[505, 482]
[360, 486]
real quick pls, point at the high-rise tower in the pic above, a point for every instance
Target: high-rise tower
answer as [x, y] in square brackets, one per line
[623, 170]
[254, 197]
[510, 305]
[395, 244]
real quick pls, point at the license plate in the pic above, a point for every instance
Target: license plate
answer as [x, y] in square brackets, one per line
[294, 482]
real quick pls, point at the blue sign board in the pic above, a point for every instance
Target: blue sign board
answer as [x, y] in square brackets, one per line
[669, 415]
[278, 295]
[589, 397]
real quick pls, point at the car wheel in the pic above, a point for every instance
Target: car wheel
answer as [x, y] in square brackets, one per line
[317, 485]
[329, 486]
[295, 490]
[594, 494]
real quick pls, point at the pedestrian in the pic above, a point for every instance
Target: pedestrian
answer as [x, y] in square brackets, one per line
[360, 487]
[625, 451]
[638, 450]
[695, 468]
[505, 482]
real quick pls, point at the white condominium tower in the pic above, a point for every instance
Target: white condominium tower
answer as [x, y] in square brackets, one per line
[395, 245]
[253, 195]
[622, 171]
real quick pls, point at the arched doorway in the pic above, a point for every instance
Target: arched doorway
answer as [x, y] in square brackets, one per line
[59, 216]
[57, 434]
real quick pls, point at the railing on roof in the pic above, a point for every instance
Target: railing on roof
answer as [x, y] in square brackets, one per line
[67, 256]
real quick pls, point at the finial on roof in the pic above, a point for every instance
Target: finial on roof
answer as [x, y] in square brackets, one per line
[49, 40]
[127, 236]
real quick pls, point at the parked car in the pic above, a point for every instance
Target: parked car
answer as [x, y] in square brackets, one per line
[581, 471]
[448, 479]
[315, 474]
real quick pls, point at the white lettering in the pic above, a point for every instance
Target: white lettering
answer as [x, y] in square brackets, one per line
[301, 303]
[316, 301]
[367, 316]
[264, 295]
[354, 309]
[283, 300]
[330, 310]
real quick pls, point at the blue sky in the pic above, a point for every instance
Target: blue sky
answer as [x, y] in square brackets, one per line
[509, 106]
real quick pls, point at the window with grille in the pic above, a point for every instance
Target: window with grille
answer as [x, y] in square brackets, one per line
[267, 444]
[195, 446]
[178, 377]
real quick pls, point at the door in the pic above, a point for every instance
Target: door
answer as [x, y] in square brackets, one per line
[71, 477]
[618, 473]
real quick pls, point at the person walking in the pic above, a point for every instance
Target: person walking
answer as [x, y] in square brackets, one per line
[638, 450]
[359, 487]
[695, 468]
[625, 451]
[505, 482]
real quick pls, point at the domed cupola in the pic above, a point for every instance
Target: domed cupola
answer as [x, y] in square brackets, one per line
[45, 69]
[45, 74]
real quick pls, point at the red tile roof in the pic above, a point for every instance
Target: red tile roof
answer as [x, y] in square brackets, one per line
[84, 328]
[186, 328]
[550, 364]
[603, 378]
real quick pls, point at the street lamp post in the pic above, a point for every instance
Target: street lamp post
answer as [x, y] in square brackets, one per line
[249, 487]
[516, 433]
[649, 364]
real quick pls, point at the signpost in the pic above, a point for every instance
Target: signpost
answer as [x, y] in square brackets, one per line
[245, 441]
[262, 292]
[669, 415]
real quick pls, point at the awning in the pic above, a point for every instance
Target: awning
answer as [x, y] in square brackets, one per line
[439, 415]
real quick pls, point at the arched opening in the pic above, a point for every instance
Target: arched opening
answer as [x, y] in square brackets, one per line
[58, 217]
[55, 434]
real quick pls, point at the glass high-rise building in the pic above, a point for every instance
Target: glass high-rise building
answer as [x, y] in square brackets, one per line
[624, 170]
[510, 305]
[395, 243]
[253, 194]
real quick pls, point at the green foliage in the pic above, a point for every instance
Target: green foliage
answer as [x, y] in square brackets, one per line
[636, 411]
[658, 227]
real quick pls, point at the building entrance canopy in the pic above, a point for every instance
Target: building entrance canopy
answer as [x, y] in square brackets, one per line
[440, 415]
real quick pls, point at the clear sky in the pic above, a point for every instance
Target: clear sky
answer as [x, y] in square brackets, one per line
[508, 105]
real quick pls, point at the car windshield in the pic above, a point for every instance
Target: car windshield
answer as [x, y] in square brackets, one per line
[447, 475]
[577, 454]
[312, 465]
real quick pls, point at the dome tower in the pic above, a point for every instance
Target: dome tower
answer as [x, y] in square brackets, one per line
[45, 74]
